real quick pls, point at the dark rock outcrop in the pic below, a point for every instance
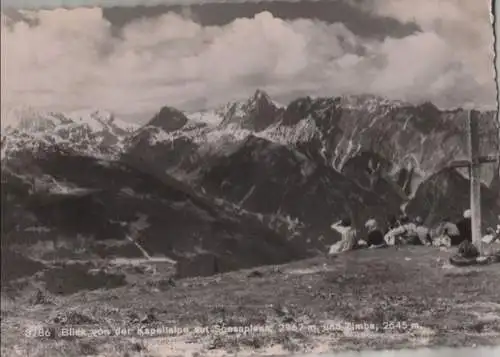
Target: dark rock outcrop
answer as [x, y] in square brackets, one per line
[169, 119]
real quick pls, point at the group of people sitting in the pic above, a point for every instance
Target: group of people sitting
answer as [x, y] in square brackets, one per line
[405, 231]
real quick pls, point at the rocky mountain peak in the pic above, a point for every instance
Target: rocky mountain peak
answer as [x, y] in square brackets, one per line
[256, 113]
[259, 99]
[305, 107]
[169, 119]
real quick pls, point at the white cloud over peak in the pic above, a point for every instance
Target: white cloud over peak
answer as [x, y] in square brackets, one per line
[68, 59]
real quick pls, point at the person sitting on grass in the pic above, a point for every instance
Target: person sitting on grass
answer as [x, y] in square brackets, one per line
[490, 236]
[406, 233]
[450, 227]
[465, 228]
[443, 239]
[392, 223]
[491, 247]
[349, 240]
[375, 238]
[423, 233]
[467, 254]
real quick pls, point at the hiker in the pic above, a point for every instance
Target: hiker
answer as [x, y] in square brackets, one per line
[375, 238]
[491, 245]
[450, 227]
[423, 233]
[349, 239]
[467, 254]
[406, 233]
[443, 239]
[392, 223]
[410, 235]
[490, 236]
[465, 228]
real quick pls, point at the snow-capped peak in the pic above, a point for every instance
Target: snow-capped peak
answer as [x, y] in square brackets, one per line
[88, 132]
[239, 108]
[100, 120]
[27, 119]
[97, 120]
[260, 95]
[258, 100]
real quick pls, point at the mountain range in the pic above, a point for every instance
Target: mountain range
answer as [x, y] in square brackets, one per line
[250, 183]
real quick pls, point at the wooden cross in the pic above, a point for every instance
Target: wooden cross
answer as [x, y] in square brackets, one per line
[474, 165]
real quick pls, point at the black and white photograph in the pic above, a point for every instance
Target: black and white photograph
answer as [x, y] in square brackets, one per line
[211, 178]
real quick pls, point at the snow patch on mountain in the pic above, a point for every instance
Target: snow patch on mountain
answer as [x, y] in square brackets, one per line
[303, 131]
[369, 102]
[207, 137]
[90, 132]
[220, 139]
[211, 118]
[159, 136]
[99, 120]
[28, 119]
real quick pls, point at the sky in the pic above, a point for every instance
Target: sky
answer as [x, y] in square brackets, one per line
[134, 60]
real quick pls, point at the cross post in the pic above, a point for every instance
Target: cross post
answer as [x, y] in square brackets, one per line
[475, 178]
[474, 165]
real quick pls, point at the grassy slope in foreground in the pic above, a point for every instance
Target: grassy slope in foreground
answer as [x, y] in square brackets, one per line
[445, 306]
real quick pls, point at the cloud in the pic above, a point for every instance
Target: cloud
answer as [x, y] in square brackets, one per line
[69, 59]
[464, 25]
[25, 4]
